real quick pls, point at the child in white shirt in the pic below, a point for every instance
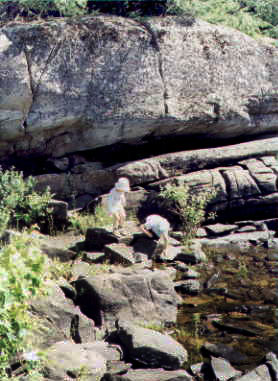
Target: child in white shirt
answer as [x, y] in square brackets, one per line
[116, 202]
[157, 226]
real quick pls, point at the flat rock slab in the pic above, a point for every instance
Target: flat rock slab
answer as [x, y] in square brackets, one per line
[238, 240]
[150, 348]
[220, 229]
[150, 375]
[222, 350]
[135, 295]
[261, 373]
[119, 253]
[222, 369]
[66, 359]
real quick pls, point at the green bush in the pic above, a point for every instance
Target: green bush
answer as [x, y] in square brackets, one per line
[63, 7]
[252, 17]
[190, 207]
[22, 269]
[20, 204]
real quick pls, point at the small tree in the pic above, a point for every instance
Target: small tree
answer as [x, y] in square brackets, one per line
[189, 207]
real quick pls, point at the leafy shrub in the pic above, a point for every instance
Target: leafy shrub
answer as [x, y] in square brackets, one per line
[20, 204]
[22, 269]
[188, 206]
[55, 7]
[253, 17]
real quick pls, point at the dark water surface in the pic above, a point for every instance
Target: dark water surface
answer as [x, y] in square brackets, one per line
[245, 318]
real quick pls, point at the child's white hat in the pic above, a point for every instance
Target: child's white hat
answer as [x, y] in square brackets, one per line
[122, 184]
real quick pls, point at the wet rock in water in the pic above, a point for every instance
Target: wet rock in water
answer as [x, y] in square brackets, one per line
[261, 373]
[140, 296]
[190, 274]
[222, 369]
[192, 254]
[119, 253]
[189, 286]
[150, 348]
[270, 296]
[97, 238]
[232, 329]
[272, 364]
[150, 375]
[64, 359]
[220, 229]
[222, 350]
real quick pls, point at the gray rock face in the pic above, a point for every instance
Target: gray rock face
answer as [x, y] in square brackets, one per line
[150, 348]
[227, 169]
[141, 296]
[225, 351]
[222, 369]
[119, 253]
[261, 373]
[60, 319]
[65, 359]
[96, 107]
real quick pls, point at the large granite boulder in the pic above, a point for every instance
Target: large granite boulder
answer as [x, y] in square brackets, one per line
[140, 296]
[150, 348]
[142, 83]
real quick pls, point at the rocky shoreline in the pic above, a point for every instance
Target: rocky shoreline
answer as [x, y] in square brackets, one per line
[114, 320]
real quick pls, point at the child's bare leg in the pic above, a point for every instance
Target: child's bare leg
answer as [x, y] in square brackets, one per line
[165, 239]
[122, 217]
[116, 222]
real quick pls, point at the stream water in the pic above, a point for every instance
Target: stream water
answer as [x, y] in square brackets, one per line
[245, 318]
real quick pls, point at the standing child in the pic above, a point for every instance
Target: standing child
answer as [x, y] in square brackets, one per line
[116, 202]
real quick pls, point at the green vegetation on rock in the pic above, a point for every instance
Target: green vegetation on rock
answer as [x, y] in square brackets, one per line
[22, 275]
[189, 206]
[20, 205]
